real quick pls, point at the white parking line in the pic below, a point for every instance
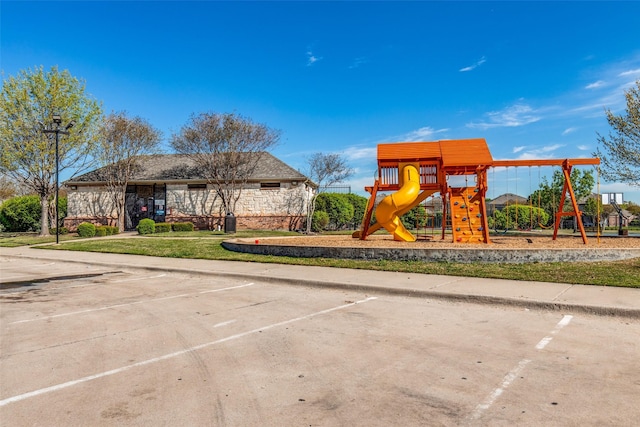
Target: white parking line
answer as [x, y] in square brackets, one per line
[226, 289]
[561, 324]
[84, 285]
[133, 279]
[508, 379]
[37, 265]
[108, 307]
[513, 374]
[174, 354]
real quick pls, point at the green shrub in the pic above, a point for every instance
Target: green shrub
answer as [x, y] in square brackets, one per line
[86, 229]
[182, 226]
[163, 227]
[101, 230]
[146, 226]
[320, 221]
[63, 230]
[21, 213]
[359, 204]
[338, 207]
[111, 230]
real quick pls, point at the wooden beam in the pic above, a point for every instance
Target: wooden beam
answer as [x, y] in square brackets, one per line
[546, 162]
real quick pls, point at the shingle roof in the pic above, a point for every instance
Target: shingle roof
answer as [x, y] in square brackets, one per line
[503, 199]
[180, 167]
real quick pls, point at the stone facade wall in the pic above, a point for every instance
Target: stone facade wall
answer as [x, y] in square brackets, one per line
[286, 200]
[89, 204]
[257, 208]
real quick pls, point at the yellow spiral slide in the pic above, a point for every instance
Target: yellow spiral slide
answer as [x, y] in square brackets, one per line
[388, 210]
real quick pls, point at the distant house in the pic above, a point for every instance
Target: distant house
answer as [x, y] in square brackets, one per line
[170, 188]
[619, 219]
[504, 200]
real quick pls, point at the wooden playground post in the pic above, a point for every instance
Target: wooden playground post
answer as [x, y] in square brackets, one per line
[566, 170]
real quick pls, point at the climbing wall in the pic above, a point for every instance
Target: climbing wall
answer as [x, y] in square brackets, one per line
[467, 215]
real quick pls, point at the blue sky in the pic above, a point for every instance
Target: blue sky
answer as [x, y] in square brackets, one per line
[532, 78]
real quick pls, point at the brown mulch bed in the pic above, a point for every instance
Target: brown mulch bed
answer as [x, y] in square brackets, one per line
[434, 242]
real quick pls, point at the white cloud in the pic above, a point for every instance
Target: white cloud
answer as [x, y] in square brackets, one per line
[518, 149]
[595, 85]
[567, 131]
[583, 147]
[358, 153]
[358, 62]
[549, 148]
[473, 66]
[423, 134]
[537, 153]
[630, 72]
[312, 59]
[512, 116]
[616, 77]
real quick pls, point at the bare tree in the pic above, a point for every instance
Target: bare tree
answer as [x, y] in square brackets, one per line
[325, 170]
[227, 149]
[123, 140]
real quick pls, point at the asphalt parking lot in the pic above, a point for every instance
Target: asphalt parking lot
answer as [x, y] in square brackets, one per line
[86, 344]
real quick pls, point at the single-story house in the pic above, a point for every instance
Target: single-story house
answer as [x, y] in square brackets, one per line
[504, 200]
[170, 188]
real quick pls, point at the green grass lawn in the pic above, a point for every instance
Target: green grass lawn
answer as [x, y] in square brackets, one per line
[207, 245]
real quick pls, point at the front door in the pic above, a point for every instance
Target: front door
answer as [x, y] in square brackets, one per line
[144, 201]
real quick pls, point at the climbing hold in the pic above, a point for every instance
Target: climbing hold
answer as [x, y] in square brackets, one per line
[479, 215]
[469, 196]
[475, 190]
[471, 208]
[455, 204]
[480, 229]
[462, 207]
[464, 218]
[458, 229]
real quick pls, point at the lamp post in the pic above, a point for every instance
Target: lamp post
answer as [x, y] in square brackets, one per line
[56, 129]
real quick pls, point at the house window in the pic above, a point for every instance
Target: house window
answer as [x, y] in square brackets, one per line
[269, 185]
[197, 186]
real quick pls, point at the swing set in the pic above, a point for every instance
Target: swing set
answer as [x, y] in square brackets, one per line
[567, 165]
[534, 221]
[416, 170]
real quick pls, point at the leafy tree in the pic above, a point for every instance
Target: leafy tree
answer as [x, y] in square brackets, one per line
[620, 152]
[415, 218]
[338, 207]
[227, 148]
[359, 204]
[27, 104]
[325, 170]
[548, 194]
[8, 188]
[524, 217]
[592, 208]
[633, 208]
[123, 140]
[320, 221]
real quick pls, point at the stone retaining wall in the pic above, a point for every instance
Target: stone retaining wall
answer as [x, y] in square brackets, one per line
[465, 255]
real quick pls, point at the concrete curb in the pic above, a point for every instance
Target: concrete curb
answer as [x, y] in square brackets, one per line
[408, 292]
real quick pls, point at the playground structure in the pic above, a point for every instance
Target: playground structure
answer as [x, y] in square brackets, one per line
[416, 170]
